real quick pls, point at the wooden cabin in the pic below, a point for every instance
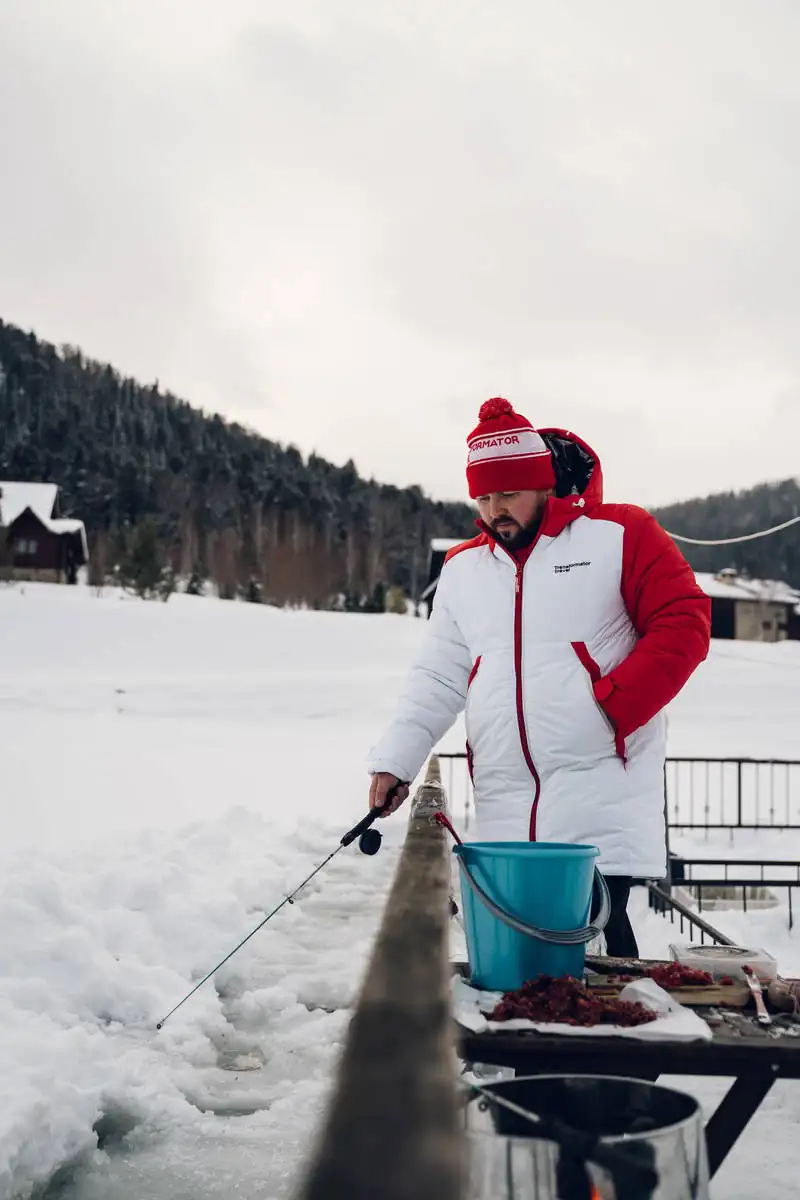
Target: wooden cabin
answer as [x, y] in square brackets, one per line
[35, 543]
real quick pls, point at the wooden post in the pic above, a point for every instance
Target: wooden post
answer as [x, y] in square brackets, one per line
[392, 1130]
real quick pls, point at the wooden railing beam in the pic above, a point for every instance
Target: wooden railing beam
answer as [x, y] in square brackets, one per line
[392, 1130]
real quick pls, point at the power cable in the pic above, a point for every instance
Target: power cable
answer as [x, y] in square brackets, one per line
[745, 537]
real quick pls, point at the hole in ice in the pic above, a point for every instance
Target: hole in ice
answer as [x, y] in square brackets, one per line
[112, 1126]
[241, 1060]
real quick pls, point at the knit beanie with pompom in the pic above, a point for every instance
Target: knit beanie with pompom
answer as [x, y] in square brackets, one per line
[506, 454]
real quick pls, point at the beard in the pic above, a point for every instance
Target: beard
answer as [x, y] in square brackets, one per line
[515, 536]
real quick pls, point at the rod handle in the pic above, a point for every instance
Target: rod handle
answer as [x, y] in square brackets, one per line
[371, 817]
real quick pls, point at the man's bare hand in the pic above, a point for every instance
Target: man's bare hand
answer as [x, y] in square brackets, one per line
[382, 784]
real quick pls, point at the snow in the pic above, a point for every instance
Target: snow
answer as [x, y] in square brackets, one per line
[170, 772]
[736, 587]
[16, 497]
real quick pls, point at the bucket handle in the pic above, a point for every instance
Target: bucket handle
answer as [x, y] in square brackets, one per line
[558, 937]
[620, 1161]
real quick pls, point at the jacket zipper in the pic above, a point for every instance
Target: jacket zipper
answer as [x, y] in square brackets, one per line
[523, 733]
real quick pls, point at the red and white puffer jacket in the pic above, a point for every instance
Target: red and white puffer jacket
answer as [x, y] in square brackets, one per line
[563, 666]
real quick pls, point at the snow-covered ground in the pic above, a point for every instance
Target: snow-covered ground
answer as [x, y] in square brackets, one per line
[168, 772]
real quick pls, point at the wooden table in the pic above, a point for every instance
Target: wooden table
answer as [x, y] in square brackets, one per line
[754, 1055]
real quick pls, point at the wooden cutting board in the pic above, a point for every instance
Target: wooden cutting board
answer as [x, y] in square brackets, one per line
[735, 995]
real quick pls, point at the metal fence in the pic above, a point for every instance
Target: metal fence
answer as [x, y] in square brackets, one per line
[458, 785]
[667, 905]
[733, 793]
[748, 883]
[701, 793]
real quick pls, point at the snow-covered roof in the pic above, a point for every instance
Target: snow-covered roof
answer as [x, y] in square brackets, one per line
[16, 497]
[65, 525]
[61, 525]
[734, 587]
[439, 545]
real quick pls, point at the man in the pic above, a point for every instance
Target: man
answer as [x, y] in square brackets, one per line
[563, 631]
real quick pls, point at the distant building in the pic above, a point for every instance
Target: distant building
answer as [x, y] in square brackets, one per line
[36, 544]
[743, 609]
[436, 557]
[755, 610]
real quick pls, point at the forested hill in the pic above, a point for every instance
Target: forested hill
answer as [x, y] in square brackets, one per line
[226, 503]
[733, 514]
[160, 484]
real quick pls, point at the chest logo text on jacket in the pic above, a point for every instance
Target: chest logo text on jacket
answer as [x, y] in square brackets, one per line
[562, 568]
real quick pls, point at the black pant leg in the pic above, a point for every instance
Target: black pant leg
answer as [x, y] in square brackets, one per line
[620, 938]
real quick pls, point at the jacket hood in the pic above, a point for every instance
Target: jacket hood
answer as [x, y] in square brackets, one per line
[577, 465]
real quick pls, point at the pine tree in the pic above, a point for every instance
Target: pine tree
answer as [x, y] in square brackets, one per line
[143, 568]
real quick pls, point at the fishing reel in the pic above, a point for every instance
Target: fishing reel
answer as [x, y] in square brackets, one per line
[370, 841]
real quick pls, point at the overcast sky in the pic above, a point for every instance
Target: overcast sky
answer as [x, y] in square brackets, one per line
[347, 223]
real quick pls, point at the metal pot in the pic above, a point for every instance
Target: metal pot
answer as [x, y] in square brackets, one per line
[585, 1137]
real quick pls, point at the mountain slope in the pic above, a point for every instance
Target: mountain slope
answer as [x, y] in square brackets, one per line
[226, 502]
[734, 514]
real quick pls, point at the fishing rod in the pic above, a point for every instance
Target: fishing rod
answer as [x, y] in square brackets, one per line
[369, 843]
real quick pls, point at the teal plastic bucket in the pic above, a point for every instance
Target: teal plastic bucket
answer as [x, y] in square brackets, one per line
[526, 910]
